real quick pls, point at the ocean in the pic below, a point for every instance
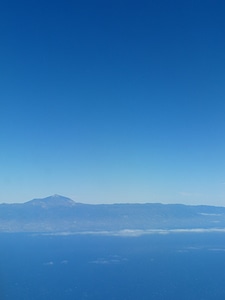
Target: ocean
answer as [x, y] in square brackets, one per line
[187, 266]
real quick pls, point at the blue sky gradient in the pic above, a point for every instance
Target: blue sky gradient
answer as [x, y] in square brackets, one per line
[113, 101]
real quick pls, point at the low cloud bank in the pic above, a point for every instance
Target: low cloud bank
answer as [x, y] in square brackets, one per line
[140, 232]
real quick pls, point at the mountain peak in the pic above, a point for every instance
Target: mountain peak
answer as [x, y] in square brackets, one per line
[52, 201]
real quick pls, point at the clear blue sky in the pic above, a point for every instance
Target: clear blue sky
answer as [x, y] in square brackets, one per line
[113, 101]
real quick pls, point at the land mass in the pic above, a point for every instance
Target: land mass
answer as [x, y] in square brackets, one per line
[61, 214]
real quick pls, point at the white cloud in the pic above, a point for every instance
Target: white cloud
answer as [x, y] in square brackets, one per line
[64, 262]
[49, 263]
[114, 259]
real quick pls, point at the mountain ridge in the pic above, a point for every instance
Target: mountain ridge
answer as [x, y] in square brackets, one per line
[63, 200]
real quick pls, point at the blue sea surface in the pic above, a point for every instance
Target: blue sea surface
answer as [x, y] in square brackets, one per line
[173, 266]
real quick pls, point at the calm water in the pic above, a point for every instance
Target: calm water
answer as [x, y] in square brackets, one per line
[173, 266]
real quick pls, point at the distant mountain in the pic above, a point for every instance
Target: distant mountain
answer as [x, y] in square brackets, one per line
[52, 201]
[61, 214]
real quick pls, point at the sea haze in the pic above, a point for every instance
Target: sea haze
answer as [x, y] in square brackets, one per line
[157, 266]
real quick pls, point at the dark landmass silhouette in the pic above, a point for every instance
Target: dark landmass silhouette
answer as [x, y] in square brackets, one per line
[61, 214]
